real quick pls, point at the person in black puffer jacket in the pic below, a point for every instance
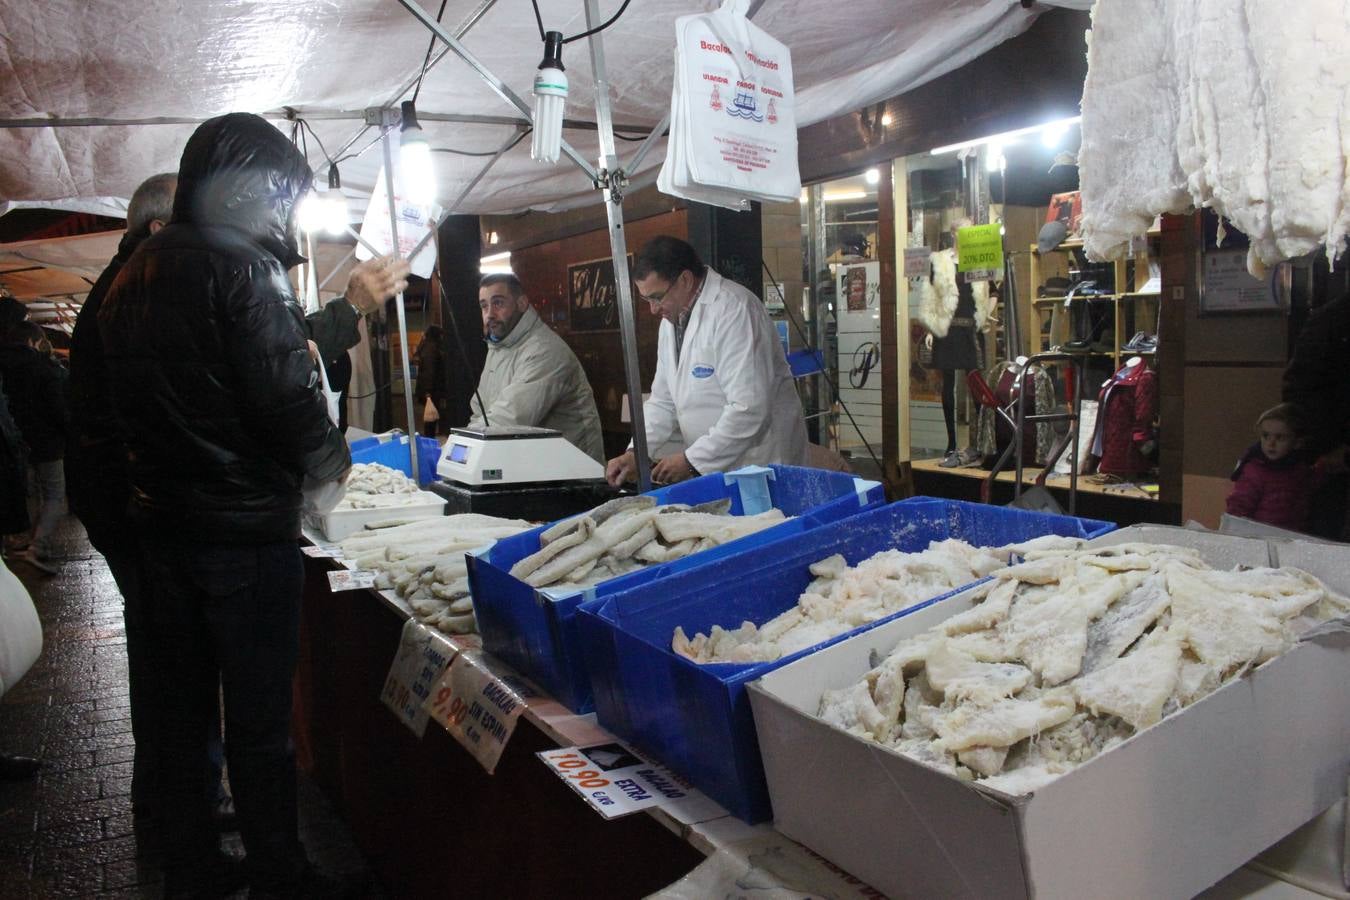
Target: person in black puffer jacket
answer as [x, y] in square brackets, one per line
[212, 383]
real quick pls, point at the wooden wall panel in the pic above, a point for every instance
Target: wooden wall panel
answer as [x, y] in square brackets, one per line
[543, 270]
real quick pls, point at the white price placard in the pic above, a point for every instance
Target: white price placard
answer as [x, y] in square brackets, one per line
[478, 708]
[350, 580]
[916, 262]
[318, 551]
[422, 658]
[615, 781]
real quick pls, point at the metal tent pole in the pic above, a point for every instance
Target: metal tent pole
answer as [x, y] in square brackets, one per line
[398, 302]
[612, 181]
[500, 87]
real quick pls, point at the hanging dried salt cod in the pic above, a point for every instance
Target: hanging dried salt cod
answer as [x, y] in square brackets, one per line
[372, 485]
[1239, 107]
[841, 598]
[631, 533]
[1072, 652]
[423, 562]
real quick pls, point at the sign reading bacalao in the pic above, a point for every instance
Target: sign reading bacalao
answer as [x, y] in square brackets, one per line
[745, 101]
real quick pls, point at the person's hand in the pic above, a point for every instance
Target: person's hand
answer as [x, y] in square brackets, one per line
[671, 469]
[621, 469]
[313, 351]
[375, 281]
[1333, 461]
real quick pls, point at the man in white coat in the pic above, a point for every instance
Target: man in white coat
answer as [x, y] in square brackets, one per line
[531, 376]
[722, 386]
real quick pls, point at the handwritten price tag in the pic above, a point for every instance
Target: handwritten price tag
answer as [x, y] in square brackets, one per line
[477, 708]
[916, 262]
[422, 658]
[350, 580]
[318, 551]
[615, 782]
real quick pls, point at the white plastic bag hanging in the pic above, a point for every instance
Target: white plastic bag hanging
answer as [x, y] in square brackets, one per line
[321, 497]
[733, 127]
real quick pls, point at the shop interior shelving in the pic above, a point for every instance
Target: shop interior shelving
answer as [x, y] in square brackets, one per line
[1133, 310]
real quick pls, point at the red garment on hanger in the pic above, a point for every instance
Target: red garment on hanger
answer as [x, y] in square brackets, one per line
[1127, 409]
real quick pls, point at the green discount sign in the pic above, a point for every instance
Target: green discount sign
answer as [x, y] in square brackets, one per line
[980, 251]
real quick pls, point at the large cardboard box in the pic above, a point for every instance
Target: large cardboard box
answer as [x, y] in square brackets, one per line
[696, 718]
[1166, 814]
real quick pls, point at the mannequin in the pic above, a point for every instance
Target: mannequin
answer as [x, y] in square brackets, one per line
[954, 312]
[1127, 409]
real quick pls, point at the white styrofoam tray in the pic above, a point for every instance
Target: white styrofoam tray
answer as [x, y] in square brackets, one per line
[1166, 814]
[339, 523]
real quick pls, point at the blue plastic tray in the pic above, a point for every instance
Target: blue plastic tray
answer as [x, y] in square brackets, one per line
[696, 718]
[535, 630]
[393, 453]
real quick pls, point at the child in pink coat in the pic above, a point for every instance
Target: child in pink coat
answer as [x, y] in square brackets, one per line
[1275, 479]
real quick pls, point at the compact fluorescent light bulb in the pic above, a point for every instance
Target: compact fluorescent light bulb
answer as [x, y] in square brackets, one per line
[550, 96]
[416, 172]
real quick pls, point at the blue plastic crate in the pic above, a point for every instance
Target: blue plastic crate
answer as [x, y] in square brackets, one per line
[535, 630]
[393, 452]
[696, 718]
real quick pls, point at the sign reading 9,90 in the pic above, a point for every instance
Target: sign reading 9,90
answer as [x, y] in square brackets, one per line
[979, 251]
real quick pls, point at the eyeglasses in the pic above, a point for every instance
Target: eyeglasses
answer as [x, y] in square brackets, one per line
[657, 296]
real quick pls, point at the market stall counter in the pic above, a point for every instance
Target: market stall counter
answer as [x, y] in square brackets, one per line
[424, 811]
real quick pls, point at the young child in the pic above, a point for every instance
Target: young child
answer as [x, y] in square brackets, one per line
[1274, 481]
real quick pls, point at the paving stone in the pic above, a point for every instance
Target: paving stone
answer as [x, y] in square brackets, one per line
[130, 873]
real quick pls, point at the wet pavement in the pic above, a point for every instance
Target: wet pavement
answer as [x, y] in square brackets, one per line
[69, 831]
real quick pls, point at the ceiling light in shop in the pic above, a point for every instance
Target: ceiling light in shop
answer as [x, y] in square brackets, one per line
[840, 196]
[993, 159]
[1007, 136]
[495, 264]
[886, 120]
[1053, 133]
[872, 176]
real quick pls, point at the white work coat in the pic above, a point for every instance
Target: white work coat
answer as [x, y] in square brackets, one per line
[728, 396]
[20, 630]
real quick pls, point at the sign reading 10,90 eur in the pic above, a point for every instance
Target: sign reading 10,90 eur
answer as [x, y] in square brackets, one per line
[980, 251]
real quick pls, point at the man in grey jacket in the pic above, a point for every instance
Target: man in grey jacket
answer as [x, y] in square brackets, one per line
[531, 376]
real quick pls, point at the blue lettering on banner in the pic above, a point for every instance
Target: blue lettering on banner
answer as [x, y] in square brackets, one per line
[702, 371]
[632, 789]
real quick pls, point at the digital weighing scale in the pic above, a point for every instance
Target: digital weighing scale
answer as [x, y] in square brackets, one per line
[518, 472]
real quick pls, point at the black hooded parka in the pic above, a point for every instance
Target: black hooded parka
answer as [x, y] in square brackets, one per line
[206, 349]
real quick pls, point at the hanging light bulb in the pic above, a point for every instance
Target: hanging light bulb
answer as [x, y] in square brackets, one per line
[417, 176]
[550, 96]
[325, 211]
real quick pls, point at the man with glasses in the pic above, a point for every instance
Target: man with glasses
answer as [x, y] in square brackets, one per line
[722, 387]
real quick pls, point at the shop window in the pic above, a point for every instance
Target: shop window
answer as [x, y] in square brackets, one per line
[842, 269]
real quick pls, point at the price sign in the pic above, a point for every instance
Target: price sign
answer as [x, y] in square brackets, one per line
[350, 580]
[477, 708]
[422, 658]
[615, 781]
[980, 251]
[916, 262]
[317, 551]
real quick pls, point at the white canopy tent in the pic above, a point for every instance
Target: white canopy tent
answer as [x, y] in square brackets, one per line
[97, 96]
[98, 100]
